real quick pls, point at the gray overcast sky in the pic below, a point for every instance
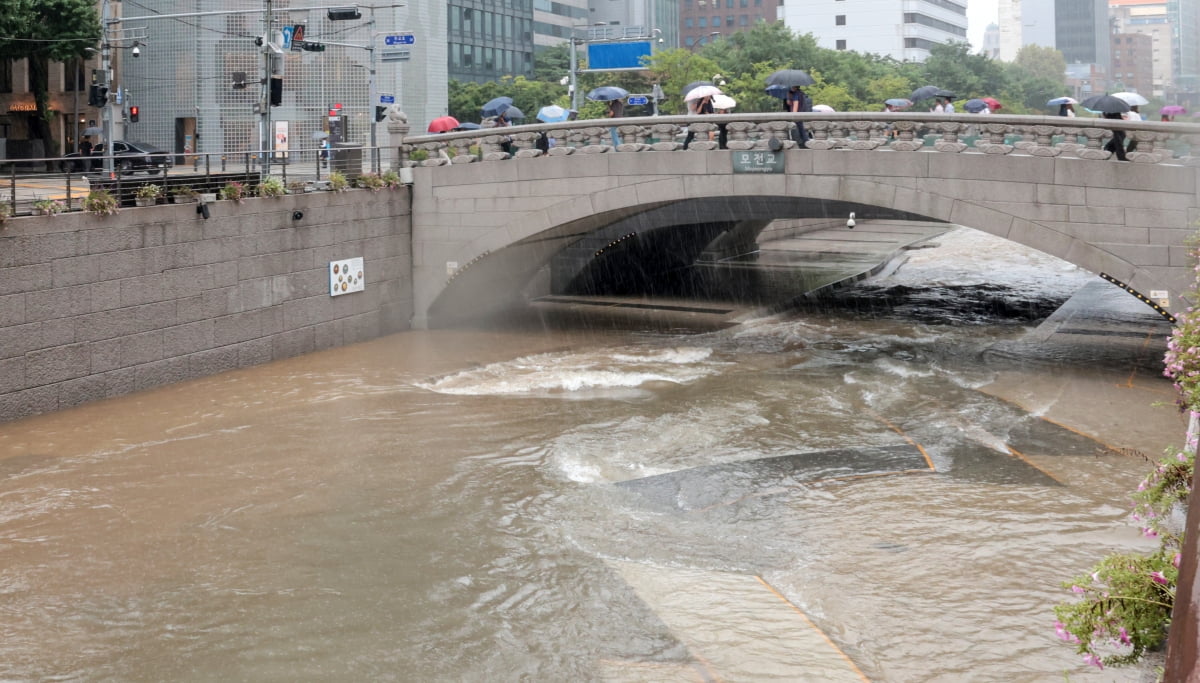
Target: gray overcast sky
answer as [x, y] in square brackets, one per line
[980, 13]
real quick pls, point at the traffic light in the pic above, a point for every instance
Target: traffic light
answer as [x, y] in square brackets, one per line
[313, 47]
[133, 113]
[380, 113]
[97, 95]
[276, 91]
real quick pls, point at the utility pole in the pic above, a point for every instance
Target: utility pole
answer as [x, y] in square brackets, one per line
[574, 73]
[106, 113]
[264, 96]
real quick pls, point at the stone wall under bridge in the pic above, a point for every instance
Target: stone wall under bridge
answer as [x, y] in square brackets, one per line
[98, 306]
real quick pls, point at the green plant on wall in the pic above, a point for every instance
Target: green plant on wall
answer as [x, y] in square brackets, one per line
[271, 187]
[100, 202]
[338, 182]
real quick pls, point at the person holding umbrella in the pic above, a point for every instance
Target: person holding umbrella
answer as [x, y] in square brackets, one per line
[616, 110]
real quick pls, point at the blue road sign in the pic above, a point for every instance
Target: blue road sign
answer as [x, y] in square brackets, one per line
[387, 99]
[287, 37]
[636, 99]
[400, 39]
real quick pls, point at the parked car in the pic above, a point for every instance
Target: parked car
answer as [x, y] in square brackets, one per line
[128, 156]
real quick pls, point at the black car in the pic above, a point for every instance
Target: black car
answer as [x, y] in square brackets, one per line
[129, 156]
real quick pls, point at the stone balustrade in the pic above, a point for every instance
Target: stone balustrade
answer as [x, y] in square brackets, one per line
[1042, 136]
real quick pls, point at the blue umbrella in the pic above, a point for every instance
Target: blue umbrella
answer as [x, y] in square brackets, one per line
[780, 91]
[898, 102]
[1059, 101]
[607, 93]
[497, 107]
[975, 106]
[512, 114]
[552, 113]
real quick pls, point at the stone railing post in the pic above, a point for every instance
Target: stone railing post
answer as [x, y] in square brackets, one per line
[737, 135]
[462, 151]
[491, 147]
[863, 140]
[821, 138]
[949, 141]
[1092, 150]
[397, 128]
[1043, 145]
[994, 143]
[633, 138]
[906, 137]
[526, 145]
[667, 135]
[780, 131]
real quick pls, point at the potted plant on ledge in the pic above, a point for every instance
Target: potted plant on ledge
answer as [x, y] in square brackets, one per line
[185, 195]
[48, 207]
[234, 191]
[271, 187]
[100, 202]
[148, 194]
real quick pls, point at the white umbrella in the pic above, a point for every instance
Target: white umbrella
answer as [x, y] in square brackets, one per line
[823, 108]
[702, 91]
[723, 101]
[1131, 98]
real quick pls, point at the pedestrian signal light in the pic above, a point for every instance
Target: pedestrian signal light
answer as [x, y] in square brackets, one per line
[133, 113]
[380, 112]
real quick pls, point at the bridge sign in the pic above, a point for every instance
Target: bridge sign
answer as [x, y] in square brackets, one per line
[636, 100]
[758, 161]
[400, 39]
[395, 55]
[385, 98]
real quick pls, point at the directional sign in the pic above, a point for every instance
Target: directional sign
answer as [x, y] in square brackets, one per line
[636, 99]
[387, 99]
[286, 31]
[400, 39]
[395, 55]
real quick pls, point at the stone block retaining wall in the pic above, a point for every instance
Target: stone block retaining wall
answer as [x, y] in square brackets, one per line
[99, 306]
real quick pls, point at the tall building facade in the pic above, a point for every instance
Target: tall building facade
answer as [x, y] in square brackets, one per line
[1081, 31]
[487, 40]
[1025, 22]
[554, 20]
[991, 41]
[700, 19]
[1132, 63]
[67, 99]
[902, 30]
[630, 18]
[1150, 18]
[185, 79]
[1185, 15]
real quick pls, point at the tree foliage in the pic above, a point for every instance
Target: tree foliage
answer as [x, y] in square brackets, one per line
[45, 31]
[845, 80]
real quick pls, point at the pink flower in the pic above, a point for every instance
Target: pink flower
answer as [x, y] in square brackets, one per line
[1149, 533]
[1123, 636]
[1076, 589]
[1175, 560]
[1159, 578]
[1094, 660]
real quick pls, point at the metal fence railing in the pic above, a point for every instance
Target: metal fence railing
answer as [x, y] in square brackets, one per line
[26, 184]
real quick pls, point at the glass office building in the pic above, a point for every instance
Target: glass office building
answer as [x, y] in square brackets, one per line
[187, 81]
[488, 39]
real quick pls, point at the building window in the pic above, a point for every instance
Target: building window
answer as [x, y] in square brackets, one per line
[6, 78]
[743, 20]
[702, 22]
[78, 83]
[687, 22]
[729, 20]
[839, 20]
[841, 45]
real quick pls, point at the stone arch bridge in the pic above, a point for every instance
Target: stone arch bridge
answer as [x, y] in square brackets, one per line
[490, 211]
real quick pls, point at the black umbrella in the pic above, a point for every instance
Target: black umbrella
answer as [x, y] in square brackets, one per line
[694, 84]
[924, 92]
[944, 93]
[975, 106]
[512, 113]
[790, 78]
[496, 107]
[1106, 104]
